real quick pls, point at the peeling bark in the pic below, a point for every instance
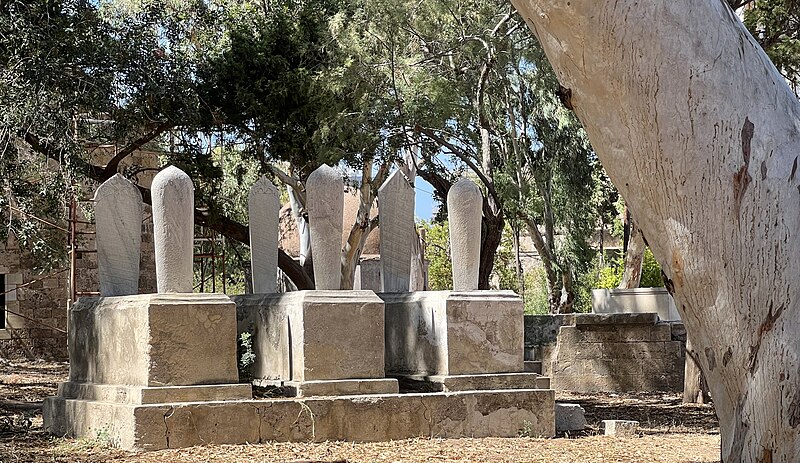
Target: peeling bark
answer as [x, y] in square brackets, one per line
[700, 132]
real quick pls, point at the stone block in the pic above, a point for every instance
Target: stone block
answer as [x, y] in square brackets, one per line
[570, 417]
[616, 319]
[453, 333]
[153, 340]
[633, 350]
[533, 366]
[314, 335]
[678, 332]
[353, 418]
[634, 333]
[662, 332]
[674, 349]
[599, 333]
[636, 300]
[621, 428]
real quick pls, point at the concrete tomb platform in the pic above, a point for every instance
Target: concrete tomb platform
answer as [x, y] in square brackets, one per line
[317, 342]
[456, 340]
[364, 418]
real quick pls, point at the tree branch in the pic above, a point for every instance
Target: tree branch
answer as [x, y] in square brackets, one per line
[113, 164]
[463, 157]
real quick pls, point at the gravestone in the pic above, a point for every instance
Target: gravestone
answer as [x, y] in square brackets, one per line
[263, 208]
[118, 218]
[396, 202]
[173, 230]
[325, 204]
[464, 208]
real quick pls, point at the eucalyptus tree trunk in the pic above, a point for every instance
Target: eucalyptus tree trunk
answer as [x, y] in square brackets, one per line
[701, 135]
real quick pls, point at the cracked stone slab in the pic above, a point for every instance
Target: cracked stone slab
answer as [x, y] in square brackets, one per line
[365, 418]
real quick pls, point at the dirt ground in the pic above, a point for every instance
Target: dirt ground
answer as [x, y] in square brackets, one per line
[670, 432]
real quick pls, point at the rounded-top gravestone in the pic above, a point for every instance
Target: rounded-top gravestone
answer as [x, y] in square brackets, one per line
[173, 230]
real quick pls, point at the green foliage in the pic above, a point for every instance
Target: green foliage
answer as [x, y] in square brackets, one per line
[610, 275]
[504, 274]
[775, 24]
[437, 252]
[536, 294]
[247, 356]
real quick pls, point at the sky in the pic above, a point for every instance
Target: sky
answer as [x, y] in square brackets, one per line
[425, 205]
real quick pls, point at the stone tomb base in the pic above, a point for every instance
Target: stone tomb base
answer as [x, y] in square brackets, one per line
[312, 343]
[365, 418]
[453, 333]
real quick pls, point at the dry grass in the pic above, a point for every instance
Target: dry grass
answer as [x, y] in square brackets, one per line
[671, 432]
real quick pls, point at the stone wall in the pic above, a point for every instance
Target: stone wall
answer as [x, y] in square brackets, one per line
[41, 299]
[39, 302]
[608, 353]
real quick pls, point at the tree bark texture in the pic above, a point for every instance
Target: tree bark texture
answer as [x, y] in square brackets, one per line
[701, 135]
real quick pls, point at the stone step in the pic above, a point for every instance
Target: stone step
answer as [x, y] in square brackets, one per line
[484, 382]
[367, 418]
[533, 366]
[337, 387]
[137, 395]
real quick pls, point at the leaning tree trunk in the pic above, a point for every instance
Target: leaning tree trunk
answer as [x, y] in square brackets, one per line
[701, 135]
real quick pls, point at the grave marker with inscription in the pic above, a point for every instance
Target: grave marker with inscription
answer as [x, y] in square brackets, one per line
[396, 202]
[263, 209]
[118, 217]
[325, 203]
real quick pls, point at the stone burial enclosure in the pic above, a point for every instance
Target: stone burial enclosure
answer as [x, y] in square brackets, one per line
[157, 371]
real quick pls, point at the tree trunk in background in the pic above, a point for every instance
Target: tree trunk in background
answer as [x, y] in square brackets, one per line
[634, 256]
[491, 234]
[701, 135]
[695, 389]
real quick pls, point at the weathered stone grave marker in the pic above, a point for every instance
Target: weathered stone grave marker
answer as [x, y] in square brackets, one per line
[465, 209]
[396, 202]
[118, 217]
[325, 203]
[173, 230]
[263, 207]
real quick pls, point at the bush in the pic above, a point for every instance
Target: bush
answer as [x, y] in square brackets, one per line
[610, 275]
